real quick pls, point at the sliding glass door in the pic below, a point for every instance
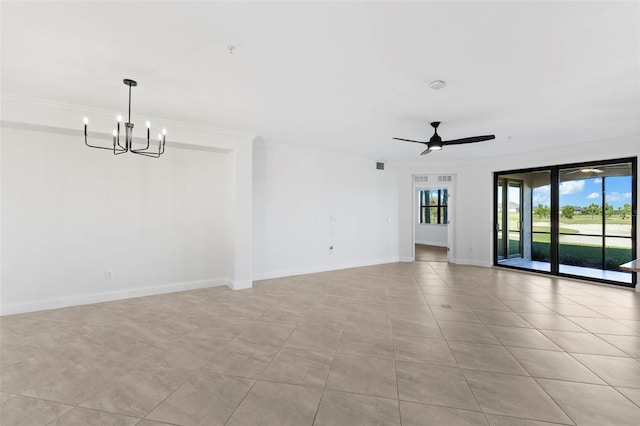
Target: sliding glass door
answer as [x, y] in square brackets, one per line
[509, 224]
[574, 220]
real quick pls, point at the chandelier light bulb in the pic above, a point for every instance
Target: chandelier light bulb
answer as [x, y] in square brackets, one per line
[128, 140]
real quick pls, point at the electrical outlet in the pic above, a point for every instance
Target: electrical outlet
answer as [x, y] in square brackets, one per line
[108, 274]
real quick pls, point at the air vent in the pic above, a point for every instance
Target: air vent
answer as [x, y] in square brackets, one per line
[444, 178]
[380, 166]
[421, 178]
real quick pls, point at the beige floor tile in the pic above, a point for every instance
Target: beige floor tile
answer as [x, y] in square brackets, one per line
[240, 358]
[554, 365]
[425, 328]
[88, 417]
[379, 345]
[29, 372]
[474, 333]
[634, 324]
[369, 376]
[419, 349]
[604, 326]
[453, 314]
[314, 338]
[154, 423]
[187, 353]
[206, 399]
[413, 414]
[585, 343]
[373, 313]
[616, 371]
[299, 367]
[266, 333]
[628, 344]
[507, 319]
[339, 408]
[573, 310]
[281, 314]
[4, 396]
[24, 411]
[476, 356]
[434, 384]
[523, 338]
[514, 421]
[527, 306]
[592, 405]
[515, 396]
[277, 404]
[618, 313]
[551, 321]
[324, 317]
[632, 394]
[76, 384]
[139, 391]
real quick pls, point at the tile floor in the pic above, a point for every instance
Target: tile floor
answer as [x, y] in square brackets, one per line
[426, 343]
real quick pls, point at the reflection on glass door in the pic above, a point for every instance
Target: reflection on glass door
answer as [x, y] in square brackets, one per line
[575, 220]
[595, 218]
[509, 219]
[500, 238]
[514, 203]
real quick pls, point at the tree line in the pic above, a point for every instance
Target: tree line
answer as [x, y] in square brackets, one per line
[592, 209]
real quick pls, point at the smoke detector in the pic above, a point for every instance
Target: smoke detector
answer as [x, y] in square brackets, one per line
[437, 84]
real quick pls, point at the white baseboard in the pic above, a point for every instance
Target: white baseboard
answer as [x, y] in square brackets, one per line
[324, 268]
[240, 285]
[406, 259]
[472, 262]
[87, 299]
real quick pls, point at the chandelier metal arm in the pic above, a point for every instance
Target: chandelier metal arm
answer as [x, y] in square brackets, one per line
[118, 148]
[116, 151]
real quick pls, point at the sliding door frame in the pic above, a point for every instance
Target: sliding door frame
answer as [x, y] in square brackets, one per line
[555, 216]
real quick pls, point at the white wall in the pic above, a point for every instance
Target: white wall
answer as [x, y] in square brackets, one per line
[69, 213]
[306, 201]
[432, 235]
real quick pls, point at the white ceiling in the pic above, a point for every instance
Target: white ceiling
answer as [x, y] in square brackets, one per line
[343, 76]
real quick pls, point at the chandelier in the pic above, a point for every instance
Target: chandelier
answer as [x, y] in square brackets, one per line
[127, 145]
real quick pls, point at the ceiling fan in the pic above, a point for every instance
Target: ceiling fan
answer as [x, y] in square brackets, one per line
[436, 143]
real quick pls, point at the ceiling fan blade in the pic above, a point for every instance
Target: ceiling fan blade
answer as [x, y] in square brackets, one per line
[426, 151]
[469, 140]
[408, 140]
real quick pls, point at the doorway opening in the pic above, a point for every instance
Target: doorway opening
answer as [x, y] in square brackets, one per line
[432, 213]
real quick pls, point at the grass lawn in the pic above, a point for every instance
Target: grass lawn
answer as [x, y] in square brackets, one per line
[577, 254]
[582, 255]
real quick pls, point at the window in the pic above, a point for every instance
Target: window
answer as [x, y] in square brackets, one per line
[433, 206]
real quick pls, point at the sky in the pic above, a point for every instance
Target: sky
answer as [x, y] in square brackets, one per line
[583, 192]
